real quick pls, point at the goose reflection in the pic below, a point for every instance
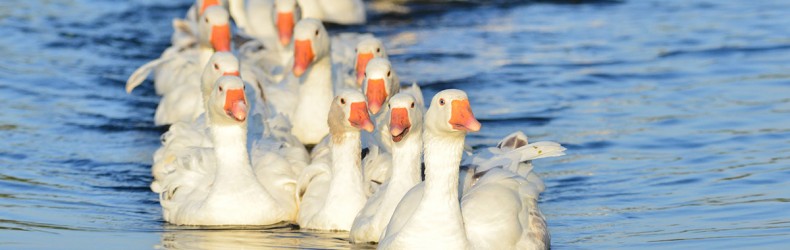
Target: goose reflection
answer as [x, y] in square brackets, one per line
[276, 236]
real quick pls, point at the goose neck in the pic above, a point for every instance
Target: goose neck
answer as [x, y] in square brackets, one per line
[406, 160]
[346, 162]
[231, 153]
[442, 161]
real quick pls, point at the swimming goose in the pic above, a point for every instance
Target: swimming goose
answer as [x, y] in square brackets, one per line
[405, 124]
[185, 30]
[366, 50]
[192, 133]
[515, 221]
[187, 101]
[313, 68]
[219, 186]
[381, 83]
[269, 132]
[345, 12]
[185, 135]
[272, 25]
[271, 21]
[177, 65]
[350, 54]
[499, 210]
[331, 187]
[429, 215]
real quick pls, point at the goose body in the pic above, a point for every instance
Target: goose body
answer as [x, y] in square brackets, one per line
[224, 188]
[178, 71]
[313, 69]
[405, 122]
[271, 24]
[381, 82]
[265, 126]
[180, 65]
[185, 30]
[499, 211]
[331, 187]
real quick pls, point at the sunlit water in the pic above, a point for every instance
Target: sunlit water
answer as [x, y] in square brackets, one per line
[676, 115]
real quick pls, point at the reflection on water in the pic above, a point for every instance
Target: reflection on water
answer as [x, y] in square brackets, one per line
[250, 238]
[674, 113]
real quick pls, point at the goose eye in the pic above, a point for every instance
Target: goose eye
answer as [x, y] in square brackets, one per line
[205, 19]
[389, 73]
[343, 101]
[378, 50]
[216, 66]
[356, 50]
[316, 32]
[389, 106]
[220, 88]
[441, 101]
[244, 87]
[412, 104]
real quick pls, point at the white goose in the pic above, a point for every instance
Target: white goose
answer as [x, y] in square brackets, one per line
[512, 222]
[351, 53]
[313, 70]
[380, 83]
[187, 101]
[270, 132]
[193, 133]
[223, 188]
[271, 21]
[331, 187]
[178, 66]
[271, 51]
[334, 11]
[498, 212]
[405, 123]
[366, 50]
[185, 30]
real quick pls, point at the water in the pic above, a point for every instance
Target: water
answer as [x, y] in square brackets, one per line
[675, 115]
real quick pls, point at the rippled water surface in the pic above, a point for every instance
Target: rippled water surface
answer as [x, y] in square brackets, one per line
[676, 115]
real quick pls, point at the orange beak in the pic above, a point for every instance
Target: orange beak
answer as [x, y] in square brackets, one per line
[285, 27]
[362, 62]
[236, 104]
[220, 38]
[303, 56]
[462, 117]
[399, 123]
[206, 4]
[359, 117]
[233, 73]
[376, 94]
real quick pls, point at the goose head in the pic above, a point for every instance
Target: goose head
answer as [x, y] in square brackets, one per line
[286, 14]
[349, 113]
[379, 83]
[204, 4]
[450, 114]
[214, 28]
[311, 43]
[227, 103]
[405, 117]
[220, 64]
[366, 50]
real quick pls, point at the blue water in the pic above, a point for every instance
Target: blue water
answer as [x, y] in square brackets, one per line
[676, 115]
